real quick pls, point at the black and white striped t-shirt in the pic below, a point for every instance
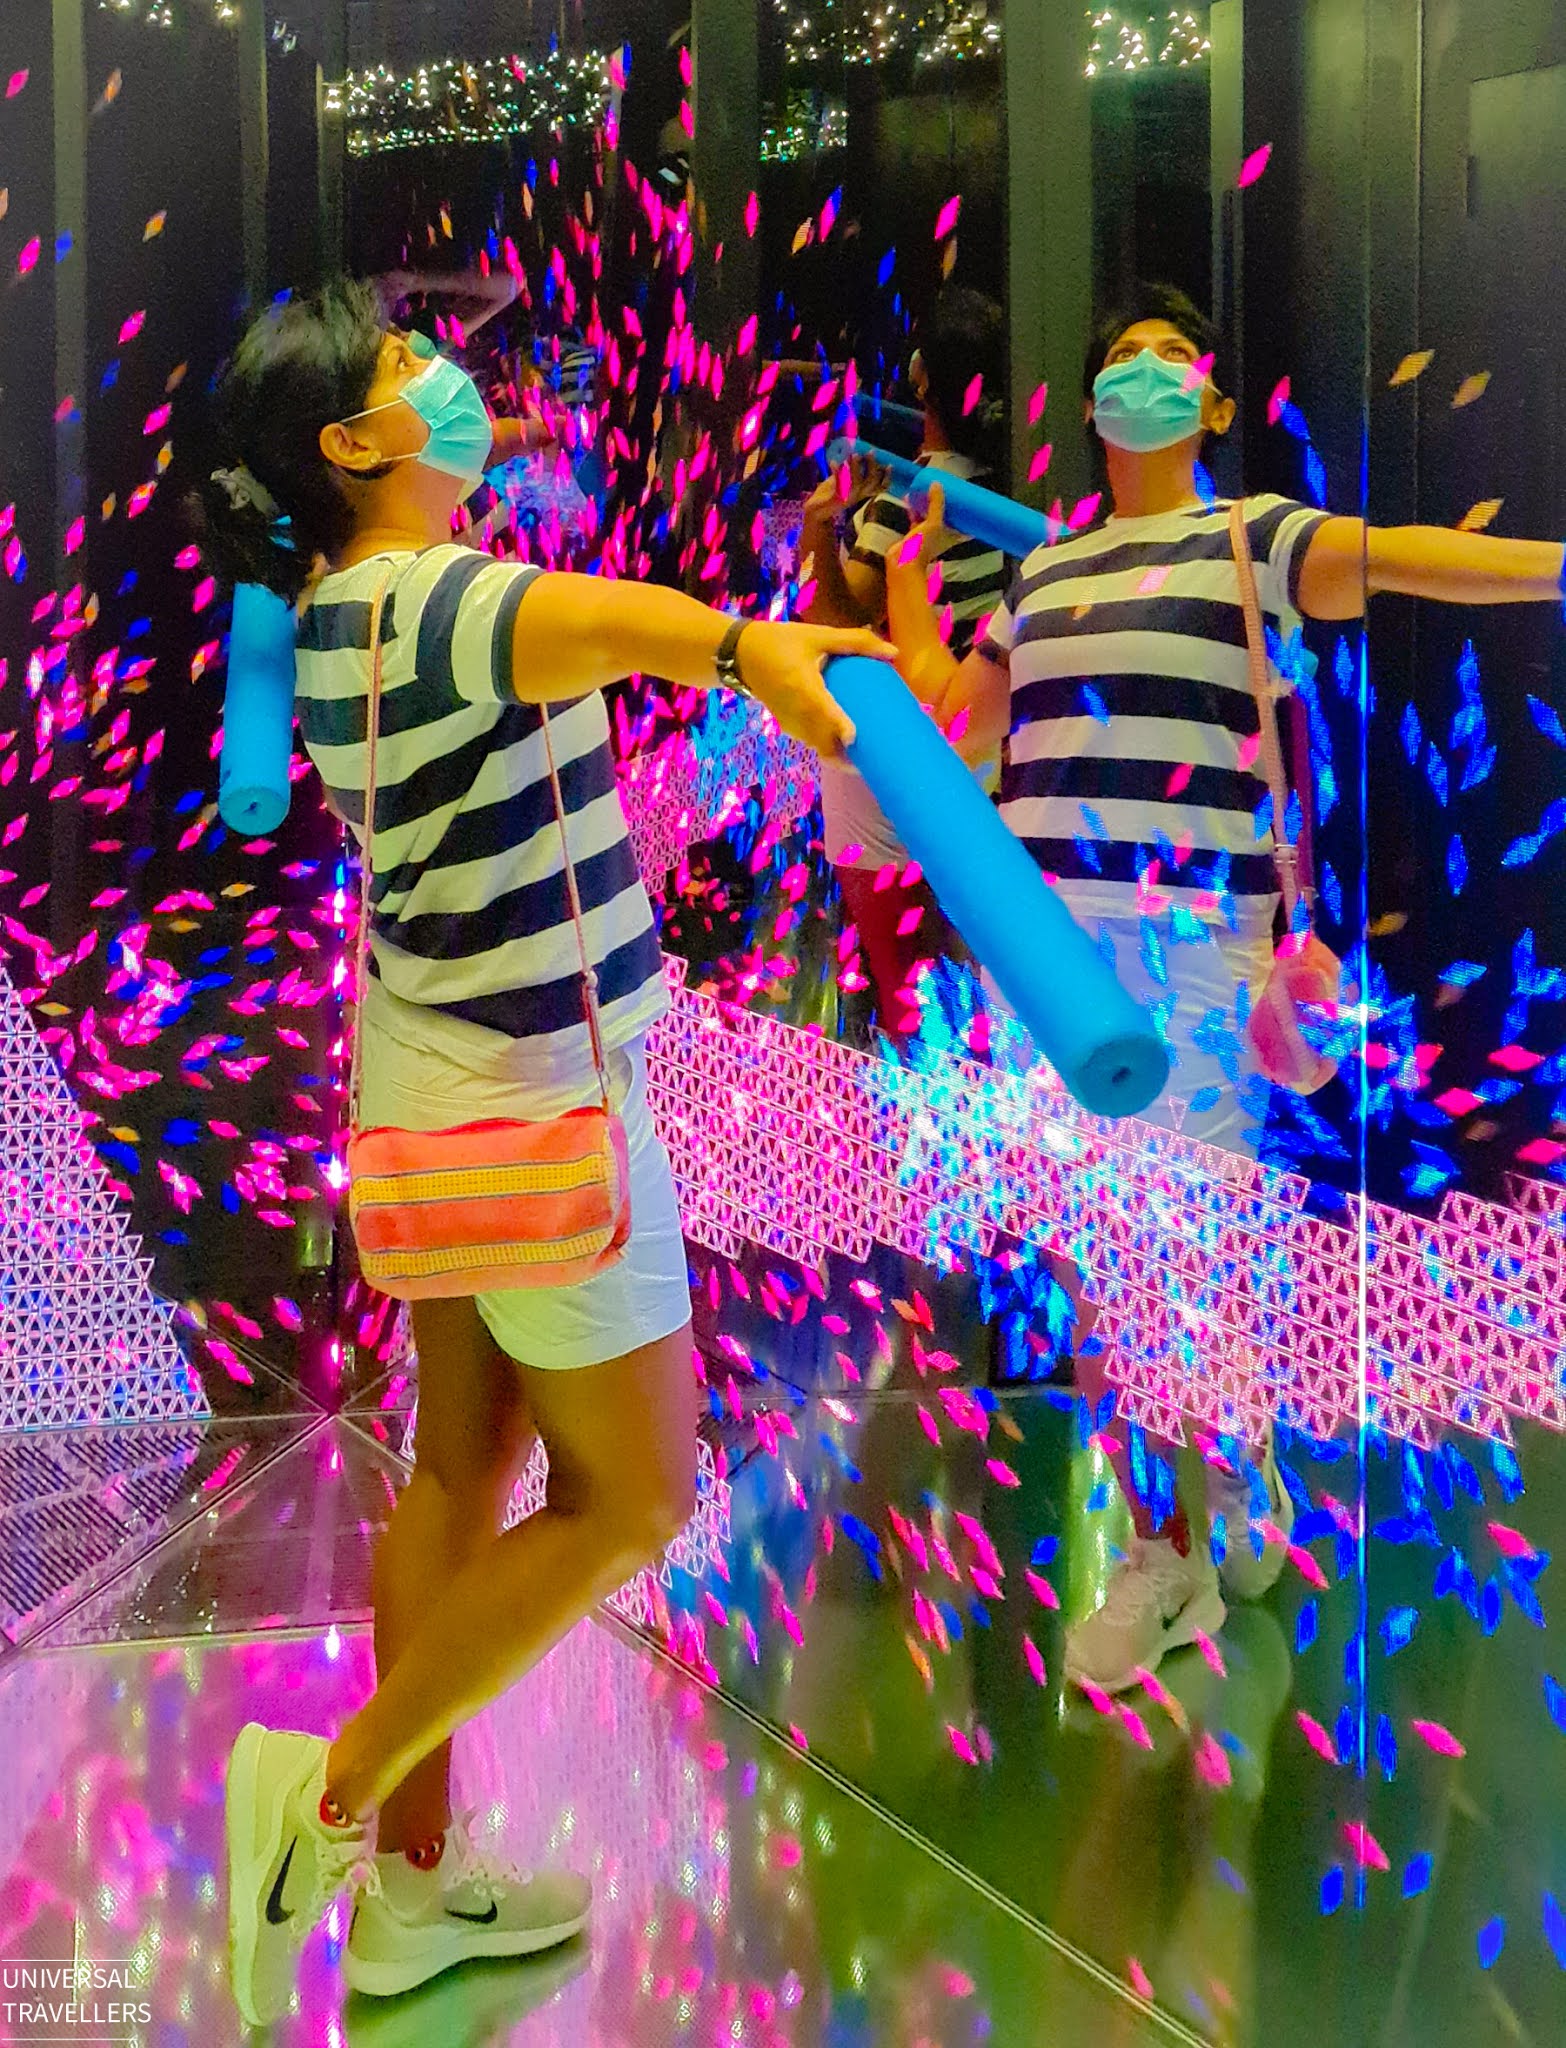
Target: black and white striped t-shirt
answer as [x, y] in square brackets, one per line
[470, 910]
[1132, 773]
[973, 576]
[973, 583]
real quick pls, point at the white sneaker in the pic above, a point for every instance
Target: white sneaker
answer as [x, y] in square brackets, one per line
[1255, 1544]
[285, 1863]
[411, 1924]
[1156, 1602]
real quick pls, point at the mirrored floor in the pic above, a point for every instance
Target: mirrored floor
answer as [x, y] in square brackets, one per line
[1271, 1873]
[741, 1895]
[80, 1507]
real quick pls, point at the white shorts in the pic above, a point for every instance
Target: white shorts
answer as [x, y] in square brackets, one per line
[425, 1071]
[1216, 1091]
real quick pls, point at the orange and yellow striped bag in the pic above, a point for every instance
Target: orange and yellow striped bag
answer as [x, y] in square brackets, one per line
[489, 1205]
[499, 1204]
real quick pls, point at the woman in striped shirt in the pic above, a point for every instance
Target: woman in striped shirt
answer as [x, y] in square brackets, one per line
[1117, 670]
[958, 373]
[350, 449]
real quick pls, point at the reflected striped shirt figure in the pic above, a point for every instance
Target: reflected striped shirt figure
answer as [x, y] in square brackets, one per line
[1132, 766]
[973, 582]
[973, 575]
[470, 908]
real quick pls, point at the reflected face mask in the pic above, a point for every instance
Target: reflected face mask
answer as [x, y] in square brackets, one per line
[461, 434]
[1147, 403]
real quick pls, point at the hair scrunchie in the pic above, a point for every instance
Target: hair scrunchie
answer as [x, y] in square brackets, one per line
[245, 491]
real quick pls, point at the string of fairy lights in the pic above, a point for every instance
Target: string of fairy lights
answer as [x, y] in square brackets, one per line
[1124, 41]
[462, 100]
[870, 31]
[162, 14]
[938, 32]
[1121, 41]
[457, 100]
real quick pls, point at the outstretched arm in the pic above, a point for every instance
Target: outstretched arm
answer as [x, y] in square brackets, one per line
[578, 633]
[1348, 560]
[472, 296]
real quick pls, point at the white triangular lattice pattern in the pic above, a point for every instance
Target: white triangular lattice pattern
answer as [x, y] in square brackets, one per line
[679, 796]
[1225, 1301]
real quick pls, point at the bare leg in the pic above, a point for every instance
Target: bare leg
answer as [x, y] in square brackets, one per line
[1206, 979]
[473, 1434]
[621, 1439]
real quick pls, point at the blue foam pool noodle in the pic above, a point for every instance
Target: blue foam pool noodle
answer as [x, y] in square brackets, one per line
[984, 515]
[1105, 1047]
[884, 416]
[258, 714]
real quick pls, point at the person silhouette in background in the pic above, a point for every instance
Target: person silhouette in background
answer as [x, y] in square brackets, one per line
[958, 374]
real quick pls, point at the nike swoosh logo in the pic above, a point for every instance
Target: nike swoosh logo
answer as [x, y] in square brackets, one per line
[276, 1914]
[477, 1919]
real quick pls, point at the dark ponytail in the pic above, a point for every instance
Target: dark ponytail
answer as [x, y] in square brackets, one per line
[965, 337]
[269, 503]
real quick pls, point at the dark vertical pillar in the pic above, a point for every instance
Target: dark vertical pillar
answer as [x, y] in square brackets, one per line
[648, 100]
[27, 332]
[331, 142]
[1114, 146]
[1306, 282]
[67, 842]
[70, 272]
[1049, 233]
[1394, 285]
[1227, 33]
[725, 157]
[254, 149]
[1393, 227]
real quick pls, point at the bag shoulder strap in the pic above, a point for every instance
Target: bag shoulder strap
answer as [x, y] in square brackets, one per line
[366, 867]
[361, 944]
[595, 1029]
[1286, 855]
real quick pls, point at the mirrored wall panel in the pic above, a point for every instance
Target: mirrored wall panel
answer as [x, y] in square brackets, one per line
[1117, 1108]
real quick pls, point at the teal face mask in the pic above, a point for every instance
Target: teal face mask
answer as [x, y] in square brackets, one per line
[1147, 403]
[461, 433]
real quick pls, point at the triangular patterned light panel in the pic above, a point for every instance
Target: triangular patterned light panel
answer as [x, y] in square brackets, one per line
[83, 1339]
[1223, 1299]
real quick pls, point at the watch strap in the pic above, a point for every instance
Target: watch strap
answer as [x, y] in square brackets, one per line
[726, 660]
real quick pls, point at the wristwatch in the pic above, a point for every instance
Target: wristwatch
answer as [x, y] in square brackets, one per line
[726, 660]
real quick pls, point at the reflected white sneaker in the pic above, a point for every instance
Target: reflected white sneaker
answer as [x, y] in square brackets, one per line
[463, 2008]
[1156, 1602]
[1255, 1545]
[286, 1862]
[412, 1924]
